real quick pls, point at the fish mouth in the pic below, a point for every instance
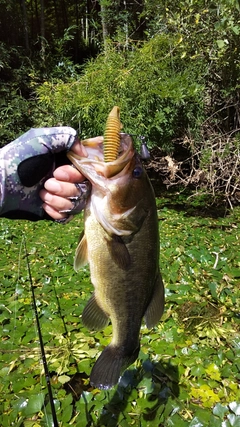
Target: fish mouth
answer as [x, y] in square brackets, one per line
[94, 156]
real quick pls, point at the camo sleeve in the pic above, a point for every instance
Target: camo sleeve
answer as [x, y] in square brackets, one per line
[25, 164]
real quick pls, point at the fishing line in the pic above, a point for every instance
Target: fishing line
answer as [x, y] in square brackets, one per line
[44, 360]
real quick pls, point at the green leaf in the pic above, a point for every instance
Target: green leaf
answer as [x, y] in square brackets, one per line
[175, 421]
[213, 372]
[220, 410]
[67, 414]
[34, 404]
[213, 289]
[236, 29]
[197, 370]
[196, 423]
[220, 43]
[63, 379]
[234, 420]
[235, 407]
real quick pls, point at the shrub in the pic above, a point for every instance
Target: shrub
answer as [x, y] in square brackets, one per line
[150, 84]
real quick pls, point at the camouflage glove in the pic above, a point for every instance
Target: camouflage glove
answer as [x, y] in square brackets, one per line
[25, 164]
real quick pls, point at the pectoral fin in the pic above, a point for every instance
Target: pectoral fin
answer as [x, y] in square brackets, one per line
[156, 305]
[119, 252]
[93, 316]
[81, 257]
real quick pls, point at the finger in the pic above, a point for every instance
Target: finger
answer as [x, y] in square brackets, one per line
[55, 202]
[61, 188]
[53, 212]
[68, 173]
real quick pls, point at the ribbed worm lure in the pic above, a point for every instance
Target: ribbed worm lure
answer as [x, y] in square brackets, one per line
[112, 135]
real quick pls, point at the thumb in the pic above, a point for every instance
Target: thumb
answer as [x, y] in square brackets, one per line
[79, 149]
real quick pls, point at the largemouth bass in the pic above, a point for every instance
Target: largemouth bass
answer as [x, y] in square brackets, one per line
[121, 245]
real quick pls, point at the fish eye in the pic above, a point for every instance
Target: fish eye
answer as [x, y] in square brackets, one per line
[137, 172]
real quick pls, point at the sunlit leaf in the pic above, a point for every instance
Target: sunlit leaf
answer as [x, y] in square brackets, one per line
[234, 420]
[220, 410]
[34, 404]
[235, 407]
[213, 372]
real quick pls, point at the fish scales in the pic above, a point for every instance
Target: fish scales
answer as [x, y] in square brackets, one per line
[108, 277]
[121, 244]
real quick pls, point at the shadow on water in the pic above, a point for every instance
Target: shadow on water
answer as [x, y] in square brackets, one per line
[190, 202]
[143, 393]
[146, 394]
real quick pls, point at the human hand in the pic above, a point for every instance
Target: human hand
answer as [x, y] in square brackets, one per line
[63, 193]
[66, 193]
[25, 164]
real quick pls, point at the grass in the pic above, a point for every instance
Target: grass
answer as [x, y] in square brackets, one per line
[188, 370]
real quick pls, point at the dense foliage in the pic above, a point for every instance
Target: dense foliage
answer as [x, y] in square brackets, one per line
[173, 67]
[151, 86]
[188, 371]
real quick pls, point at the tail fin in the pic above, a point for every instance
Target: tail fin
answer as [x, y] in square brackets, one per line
[110, 365]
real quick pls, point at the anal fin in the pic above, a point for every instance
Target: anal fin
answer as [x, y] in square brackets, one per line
[156, 305]
[93, 316]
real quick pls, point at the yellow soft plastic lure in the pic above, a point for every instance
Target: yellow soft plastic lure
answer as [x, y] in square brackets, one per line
[112, 135]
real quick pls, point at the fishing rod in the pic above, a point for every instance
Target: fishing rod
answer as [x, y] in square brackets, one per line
[46, 371]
